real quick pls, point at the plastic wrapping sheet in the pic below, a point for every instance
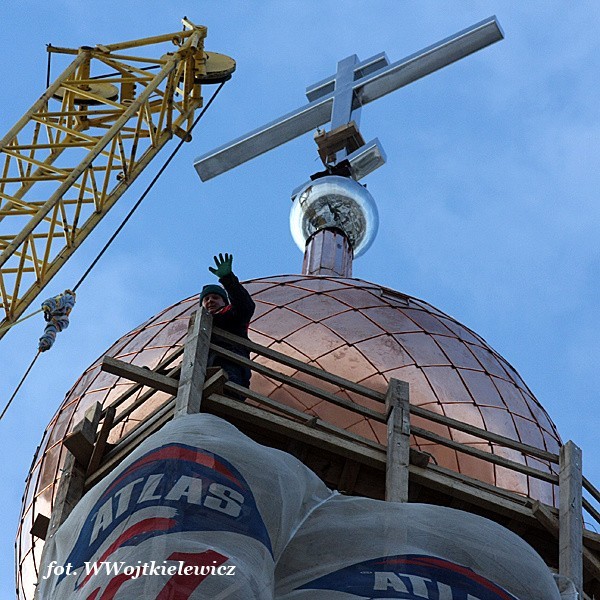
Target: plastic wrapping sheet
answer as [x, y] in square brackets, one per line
[200, 511]
[358, 548]
[196, 494]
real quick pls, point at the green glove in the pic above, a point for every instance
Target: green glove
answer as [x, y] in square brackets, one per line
[223, 266]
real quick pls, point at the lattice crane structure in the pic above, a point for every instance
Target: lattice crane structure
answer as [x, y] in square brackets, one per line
[75, 152]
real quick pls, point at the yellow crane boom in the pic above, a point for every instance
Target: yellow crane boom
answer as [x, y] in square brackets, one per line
[75, 152]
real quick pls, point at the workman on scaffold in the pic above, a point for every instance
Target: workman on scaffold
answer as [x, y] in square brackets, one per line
[231, 307]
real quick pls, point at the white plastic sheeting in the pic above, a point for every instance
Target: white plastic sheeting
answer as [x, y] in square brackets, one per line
[201, 511]
[566, 588]
[356, 548]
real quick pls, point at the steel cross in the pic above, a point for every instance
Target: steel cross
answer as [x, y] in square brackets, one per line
[354, 85]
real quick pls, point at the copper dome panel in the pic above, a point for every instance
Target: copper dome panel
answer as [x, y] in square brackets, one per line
[356, 329]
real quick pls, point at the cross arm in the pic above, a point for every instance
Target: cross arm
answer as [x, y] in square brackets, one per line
[429, 60]
[370, 87]
[265, 138]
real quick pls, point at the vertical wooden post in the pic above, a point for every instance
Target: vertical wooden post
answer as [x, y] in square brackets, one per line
[570, 536]
[398, 441]
[70, 488]
[194, 364]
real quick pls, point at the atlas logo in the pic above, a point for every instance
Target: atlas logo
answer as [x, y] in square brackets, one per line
[410, 577]
[173, 488]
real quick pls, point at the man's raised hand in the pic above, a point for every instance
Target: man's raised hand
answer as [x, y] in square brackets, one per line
[223, 265]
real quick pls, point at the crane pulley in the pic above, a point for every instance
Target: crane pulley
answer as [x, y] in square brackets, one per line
[75, 152]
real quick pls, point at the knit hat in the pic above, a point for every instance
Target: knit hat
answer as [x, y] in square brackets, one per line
[214, 289]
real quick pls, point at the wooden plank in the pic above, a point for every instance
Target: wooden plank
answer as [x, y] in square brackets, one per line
[71, 484]
[194, 364]
[74, 471]
[398, 441]
[143, 398]
[137, 387]
[300, 366]
[141, 375]
[589, 487]
[453, 484]
[131, 441]
[486, 456]
[303, 417]
[570, 517]
[484, 497]
[79, 446]
[101, 443]
[546, 518]
[215, 382]
[301, 385]
[551, 522]
[591, 539]
[591, 510]
[484, 434]
[228, 407]
[416, 457]
[374, 395]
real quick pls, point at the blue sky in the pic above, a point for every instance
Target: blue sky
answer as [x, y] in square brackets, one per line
[488, 202]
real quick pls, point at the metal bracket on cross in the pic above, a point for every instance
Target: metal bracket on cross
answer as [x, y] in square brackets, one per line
[339, 98]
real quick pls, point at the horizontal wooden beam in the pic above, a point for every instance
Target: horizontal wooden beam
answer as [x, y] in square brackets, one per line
[476, 493]
[228, 407]
[216, 379]
[550, 522]
[484, 434]
[374, 395]
[142, 375]
[589, 487]
[300, 366]
[164, 365]
[141, 399]
[300, 385]
[485, 456]
[545, 517]
[590, 509]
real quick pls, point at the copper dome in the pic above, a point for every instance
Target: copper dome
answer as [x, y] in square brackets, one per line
[359, 330]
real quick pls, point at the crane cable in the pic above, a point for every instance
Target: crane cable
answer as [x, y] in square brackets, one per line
[147, 190]
[130, 214]
[114, 235]
[20, 384]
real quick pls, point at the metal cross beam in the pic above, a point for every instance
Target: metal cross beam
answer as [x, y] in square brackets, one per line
[354, 85]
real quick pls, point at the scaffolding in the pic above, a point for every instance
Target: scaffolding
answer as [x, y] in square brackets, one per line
[356, 465]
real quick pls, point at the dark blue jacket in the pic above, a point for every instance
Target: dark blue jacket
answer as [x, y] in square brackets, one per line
[234, 318]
